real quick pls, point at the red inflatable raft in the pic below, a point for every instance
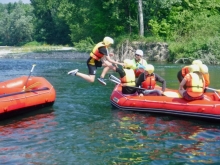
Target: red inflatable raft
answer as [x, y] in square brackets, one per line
[172, 103]
[21, 95]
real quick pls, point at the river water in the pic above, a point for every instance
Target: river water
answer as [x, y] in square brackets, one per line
[81, 128]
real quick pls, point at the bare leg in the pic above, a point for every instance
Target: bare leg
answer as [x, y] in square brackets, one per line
[89, 78]
[106, 69]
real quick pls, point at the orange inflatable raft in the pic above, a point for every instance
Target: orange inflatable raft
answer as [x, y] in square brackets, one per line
[172, 103]
[20, 95]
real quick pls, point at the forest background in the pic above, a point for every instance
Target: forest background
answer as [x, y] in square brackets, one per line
[189, 27]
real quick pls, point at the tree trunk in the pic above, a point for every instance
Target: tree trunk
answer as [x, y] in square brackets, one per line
[141, 20]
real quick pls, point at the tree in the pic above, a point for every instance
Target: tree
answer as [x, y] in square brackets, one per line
[141, 20]
[15, 27]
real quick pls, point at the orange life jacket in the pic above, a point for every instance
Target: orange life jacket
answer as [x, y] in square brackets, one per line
[195, 85]
[95, 52]
[206, 78]
[129, 78]
[149, 82]
[185, 70]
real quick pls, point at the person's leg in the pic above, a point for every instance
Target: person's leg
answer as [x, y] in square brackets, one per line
[104, 72]
[107, 65]
[90, 77]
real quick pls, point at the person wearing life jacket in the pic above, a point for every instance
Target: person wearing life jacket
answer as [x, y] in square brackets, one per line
[98, 57]
[205, 72]
[127, 77]
[195, 84]
[185, 70]
[139, 63]
[148, 80]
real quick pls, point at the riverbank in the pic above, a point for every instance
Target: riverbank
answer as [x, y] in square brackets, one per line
[41, 53]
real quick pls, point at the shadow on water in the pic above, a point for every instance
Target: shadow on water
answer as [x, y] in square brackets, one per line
[37, 114]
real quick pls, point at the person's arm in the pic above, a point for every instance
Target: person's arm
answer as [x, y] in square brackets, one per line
[183, 82]
[161, 80]
[113, 61]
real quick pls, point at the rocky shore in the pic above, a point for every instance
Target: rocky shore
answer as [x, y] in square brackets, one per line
[7, 52]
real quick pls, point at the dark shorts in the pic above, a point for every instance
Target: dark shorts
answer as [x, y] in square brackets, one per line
[93, 68]
[189, 98]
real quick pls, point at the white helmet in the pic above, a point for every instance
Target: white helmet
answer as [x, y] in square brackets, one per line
[149, 68]
[139, 52]
[197, 62]
[128, 63]
[203, 68]
[108, 40]
[194, 68]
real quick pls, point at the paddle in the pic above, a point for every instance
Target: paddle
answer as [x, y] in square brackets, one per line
[18, 93]
[166, 93]
[32, 86]
[215, 91]
[212, 89]
[29, 76]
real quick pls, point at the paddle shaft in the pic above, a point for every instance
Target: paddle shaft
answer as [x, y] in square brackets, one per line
[117, 81]
[29, 75]
[18, 93]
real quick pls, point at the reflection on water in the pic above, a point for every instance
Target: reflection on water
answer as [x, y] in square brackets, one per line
[82, 128]
[154, 139]
[25, 132]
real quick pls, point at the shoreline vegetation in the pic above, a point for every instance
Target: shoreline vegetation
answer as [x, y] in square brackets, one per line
[38, 52]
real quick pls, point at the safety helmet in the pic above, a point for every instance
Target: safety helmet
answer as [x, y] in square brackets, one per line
[128, 63]
[149, 68]
[194, 68]
[108, 40]
[197, 62]
[203, 68]
[139, 52]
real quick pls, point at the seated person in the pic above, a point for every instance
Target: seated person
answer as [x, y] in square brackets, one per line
[205, 72]
[148, 81]
[195, 85]
[127, 77]
[185, 70]
[139, 63]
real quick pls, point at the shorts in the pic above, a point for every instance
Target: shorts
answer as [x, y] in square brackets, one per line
[187, 97]
[93, 68]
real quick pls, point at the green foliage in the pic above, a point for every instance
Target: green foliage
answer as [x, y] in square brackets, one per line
[16, 28]
[84, 45]
[191, 28]
[33, 43]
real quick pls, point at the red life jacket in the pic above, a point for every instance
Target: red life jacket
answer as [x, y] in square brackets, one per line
[95, 54]
[149, 82]
[138, 72]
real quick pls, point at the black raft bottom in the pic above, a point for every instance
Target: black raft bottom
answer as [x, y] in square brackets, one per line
[17, 112]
